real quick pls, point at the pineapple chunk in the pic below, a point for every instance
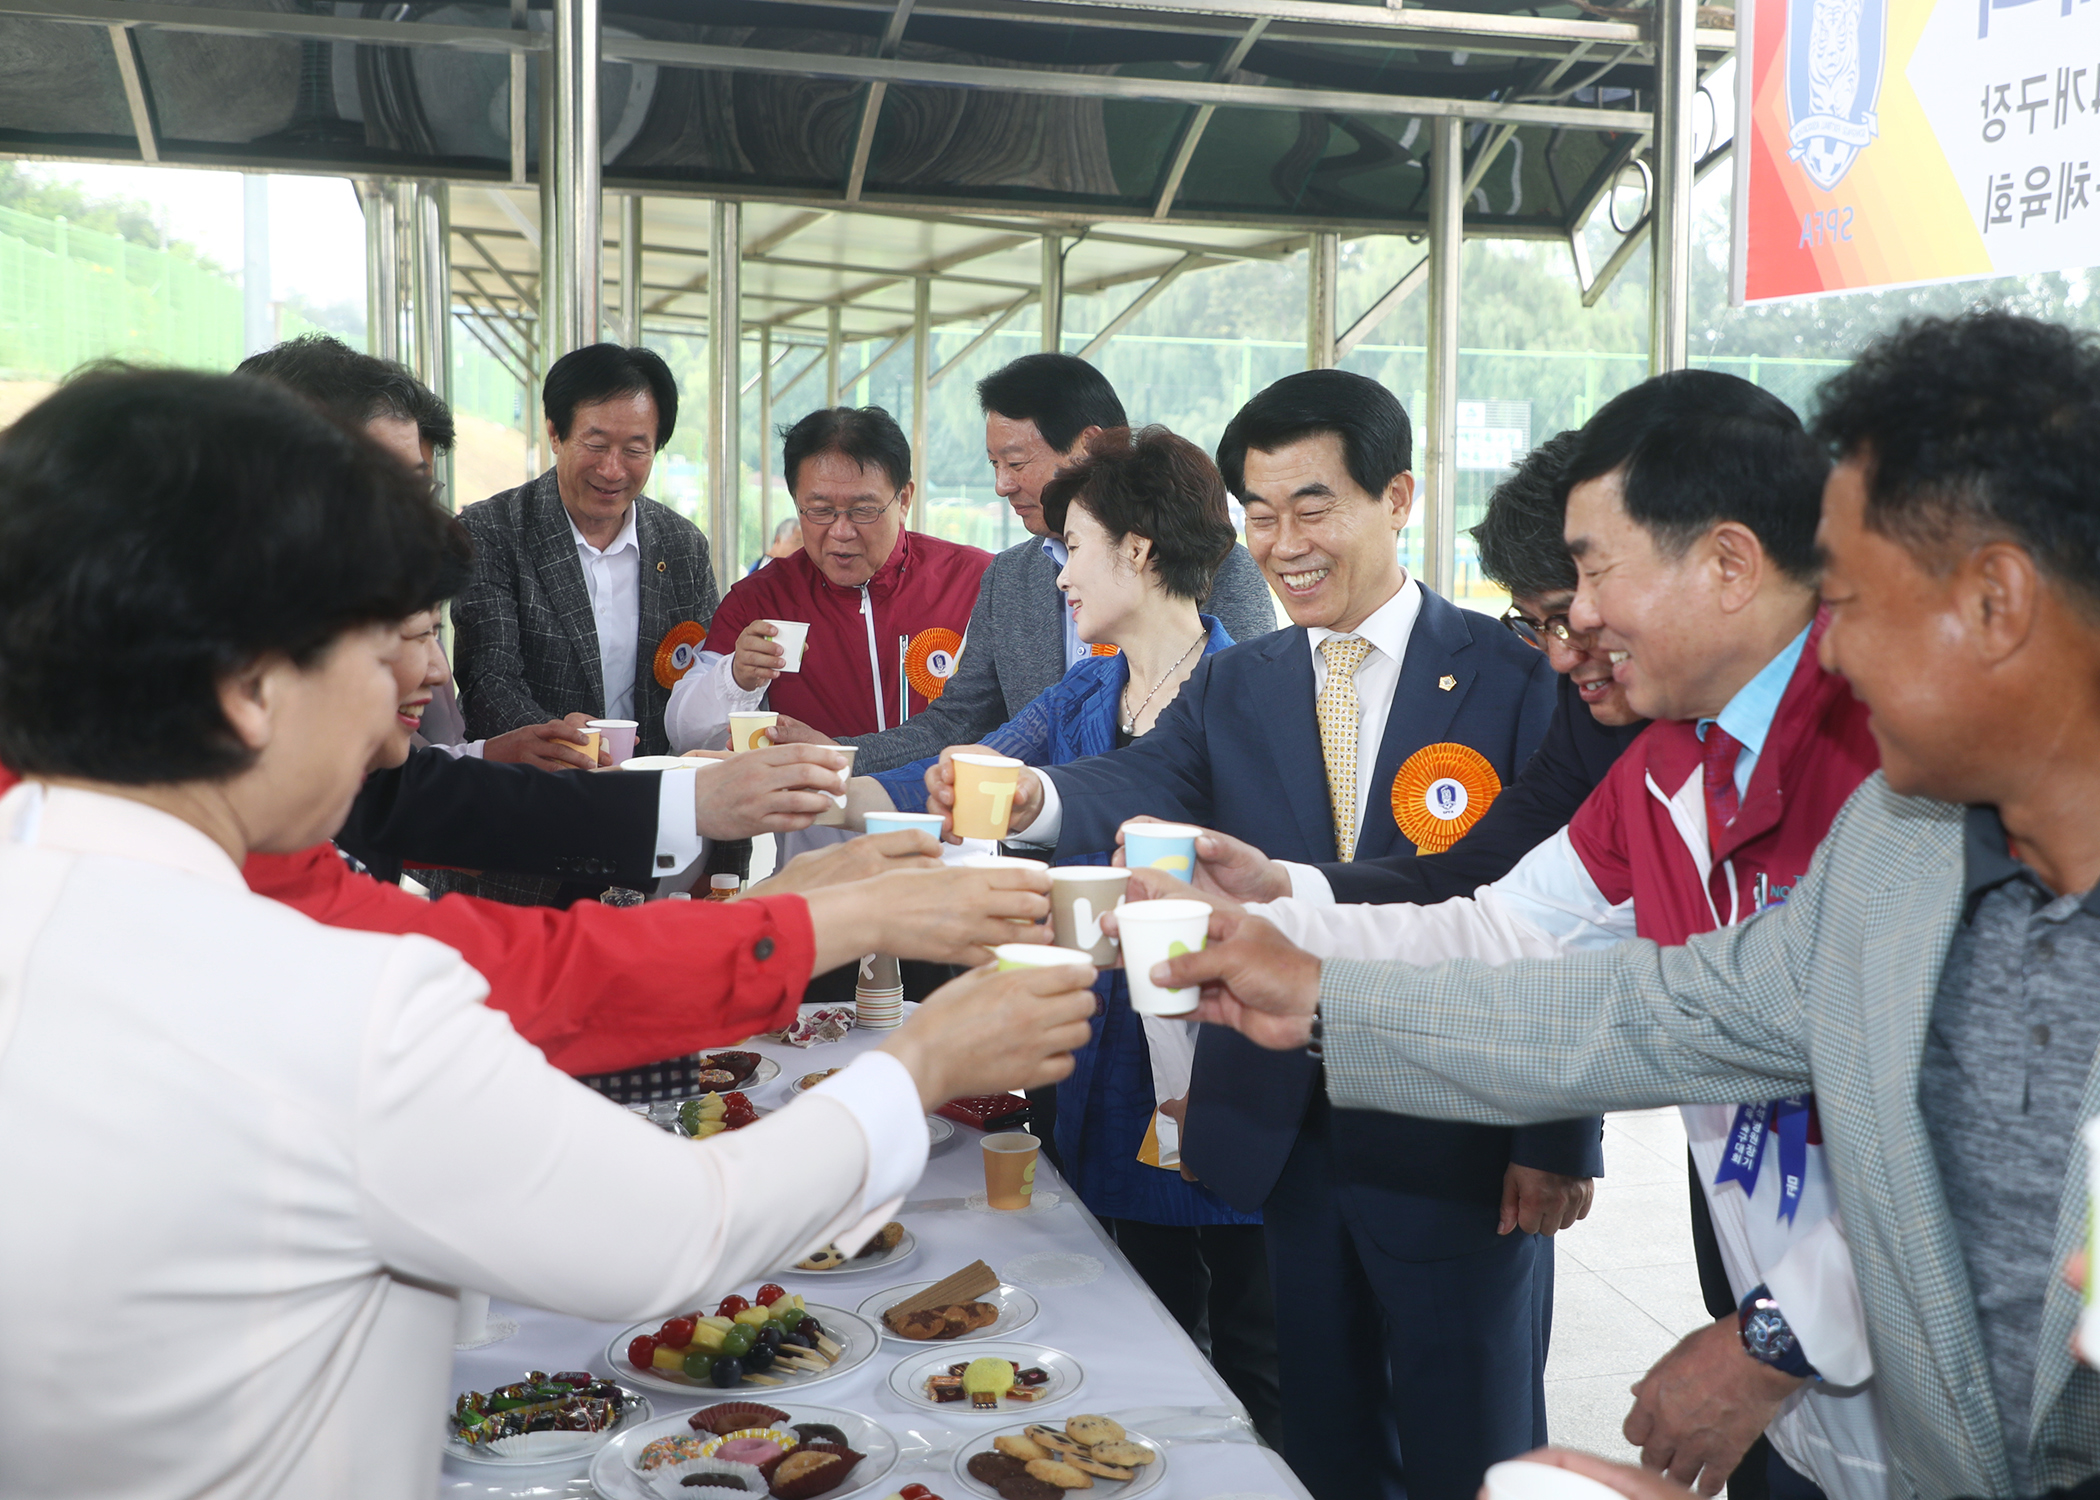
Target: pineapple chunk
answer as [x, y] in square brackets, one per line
[668, 1359]
[708, 1338]
[756, 1317]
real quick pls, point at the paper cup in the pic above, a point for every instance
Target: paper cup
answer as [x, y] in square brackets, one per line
[618, 737]
[743, 726]
[1036, 956]
[791, 636]
[1078, 896]
[470, 1325]
[1161, 846]
[591, 737]
[896, 822]
[984, 795]
[835, 815]
[1153, 932]
[1009, 1168]
[1518, 1479]
[1001, 862]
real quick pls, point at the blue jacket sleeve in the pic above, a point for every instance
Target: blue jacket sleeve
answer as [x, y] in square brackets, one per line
[1165, 773]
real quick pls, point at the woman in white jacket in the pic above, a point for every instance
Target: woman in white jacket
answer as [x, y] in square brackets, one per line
[248, 1159]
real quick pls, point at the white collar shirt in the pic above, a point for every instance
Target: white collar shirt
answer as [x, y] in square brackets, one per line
[1054, 548]
[1377, 678]
[614, 578]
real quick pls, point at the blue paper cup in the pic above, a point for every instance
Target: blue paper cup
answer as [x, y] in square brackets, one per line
[1161, 846]
[897, 822]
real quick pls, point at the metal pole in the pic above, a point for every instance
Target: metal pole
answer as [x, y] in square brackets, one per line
[834, 341]
[1670, 238]
[408, 261]
[1053, 292]
[921, 367]
[258, 327]
[765, 435]
[725, 248]
[433, 310]
[382, 273]
[1322, 265]
[571, 291]
[1439, 494]
[631, 268]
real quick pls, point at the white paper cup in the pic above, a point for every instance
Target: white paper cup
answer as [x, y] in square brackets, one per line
[835, 816]
[897, 822]
[1001, 862]
[1037, 956]
[471, 1324]
[791, 636]
[1153, 932]
[1161, 846]
[618, 735]
[743, 726]
[1518, 1479]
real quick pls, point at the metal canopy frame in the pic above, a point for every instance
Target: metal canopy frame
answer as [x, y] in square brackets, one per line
[826, 267]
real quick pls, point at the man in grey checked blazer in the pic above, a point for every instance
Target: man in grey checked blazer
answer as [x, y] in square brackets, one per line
[1935, 978]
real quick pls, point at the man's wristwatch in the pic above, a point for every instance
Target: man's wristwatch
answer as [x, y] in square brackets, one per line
[1314, 1045]
[1768, 1339]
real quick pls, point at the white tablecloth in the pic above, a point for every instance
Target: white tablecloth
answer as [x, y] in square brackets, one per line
[1140, 1367]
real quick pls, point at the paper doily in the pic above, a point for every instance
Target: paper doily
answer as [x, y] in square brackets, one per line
[1051, 1269]
[1042, 1201]
[495, 1332]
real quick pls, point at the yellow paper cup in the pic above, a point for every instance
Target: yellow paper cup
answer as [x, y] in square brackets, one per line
[1009, 1169]
[1037, 956]
[744, 727]
[984, 795]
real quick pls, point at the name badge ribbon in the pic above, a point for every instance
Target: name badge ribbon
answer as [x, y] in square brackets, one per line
[1793, 1121]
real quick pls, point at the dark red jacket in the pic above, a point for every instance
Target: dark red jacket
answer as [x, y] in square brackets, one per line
[922, 593]
[1815, 756]
[596, 988]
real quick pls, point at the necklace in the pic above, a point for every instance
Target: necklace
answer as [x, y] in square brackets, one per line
[1130, 719]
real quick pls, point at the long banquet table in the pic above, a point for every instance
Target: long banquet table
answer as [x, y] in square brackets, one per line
[1139, 1366]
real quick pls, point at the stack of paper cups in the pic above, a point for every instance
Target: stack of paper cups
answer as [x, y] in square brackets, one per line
[878, 994]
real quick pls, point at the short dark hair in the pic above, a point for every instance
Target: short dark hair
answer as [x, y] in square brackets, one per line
[1522, 537]
[865, 434]
[1061, 393]
[162, 529]
[1986, 424]
[1156, 485]
[355, 387]
[1699, 448]
[1377, 440]
[599, 372]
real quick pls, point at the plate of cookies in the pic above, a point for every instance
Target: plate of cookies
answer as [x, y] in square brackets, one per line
[971, 1306]
[891, 1245]
[1001, 1381]
[1040, 1461]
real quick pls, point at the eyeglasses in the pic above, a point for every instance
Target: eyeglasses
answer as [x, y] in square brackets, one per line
[1534, 633]
[859, 515]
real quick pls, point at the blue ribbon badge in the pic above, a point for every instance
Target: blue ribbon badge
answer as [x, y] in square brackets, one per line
[1792, 1120]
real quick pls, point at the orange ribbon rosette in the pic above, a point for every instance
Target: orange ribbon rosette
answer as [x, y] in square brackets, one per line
[1441, 792]
[930, 661]
[677, 652]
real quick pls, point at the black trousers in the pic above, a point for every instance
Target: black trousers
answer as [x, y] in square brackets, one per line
[1214, 1279]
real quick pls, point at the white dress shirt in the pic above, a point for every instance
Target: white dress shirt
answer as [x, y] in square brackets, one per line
[260, 1154]
[614, 578]
[1055, 549]
[1377, 678]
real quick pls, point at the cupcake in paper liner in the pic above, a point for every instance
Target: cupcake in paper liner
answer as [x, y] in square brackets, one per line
[697, 1478]
[755, 1446]
[734, 1416]
[812, 1469]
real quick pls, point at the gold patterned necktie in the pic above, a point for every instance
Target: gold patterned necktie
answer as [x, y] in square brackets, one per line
[1340, 717]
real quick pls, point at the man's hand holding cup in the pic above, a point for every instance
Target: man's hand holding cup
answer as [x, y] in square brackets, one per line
[758, 661]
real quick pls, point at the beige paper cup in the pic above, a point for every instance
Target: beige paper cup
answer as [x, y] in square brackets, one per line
[984, 795]
[791, 636]
[1036, 956]
[743, 726]
[618, 737]
[1153, 932]
[835, 815]
[1009, 1168]
[1079, 894]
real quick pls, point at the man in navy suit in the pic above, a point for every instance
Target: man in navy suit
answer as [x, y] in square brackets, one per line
[1382, 723]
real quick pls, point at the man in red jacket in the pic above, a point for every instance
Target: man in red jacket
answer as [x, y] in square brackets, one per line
[886, 607]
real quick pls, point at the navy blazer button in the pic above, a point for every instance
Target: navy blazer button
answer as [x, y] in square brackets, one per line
[762, 949]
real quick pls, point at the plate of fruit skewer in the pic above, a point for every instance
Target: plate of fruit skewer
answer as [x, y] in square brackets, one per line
[769, 1341]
